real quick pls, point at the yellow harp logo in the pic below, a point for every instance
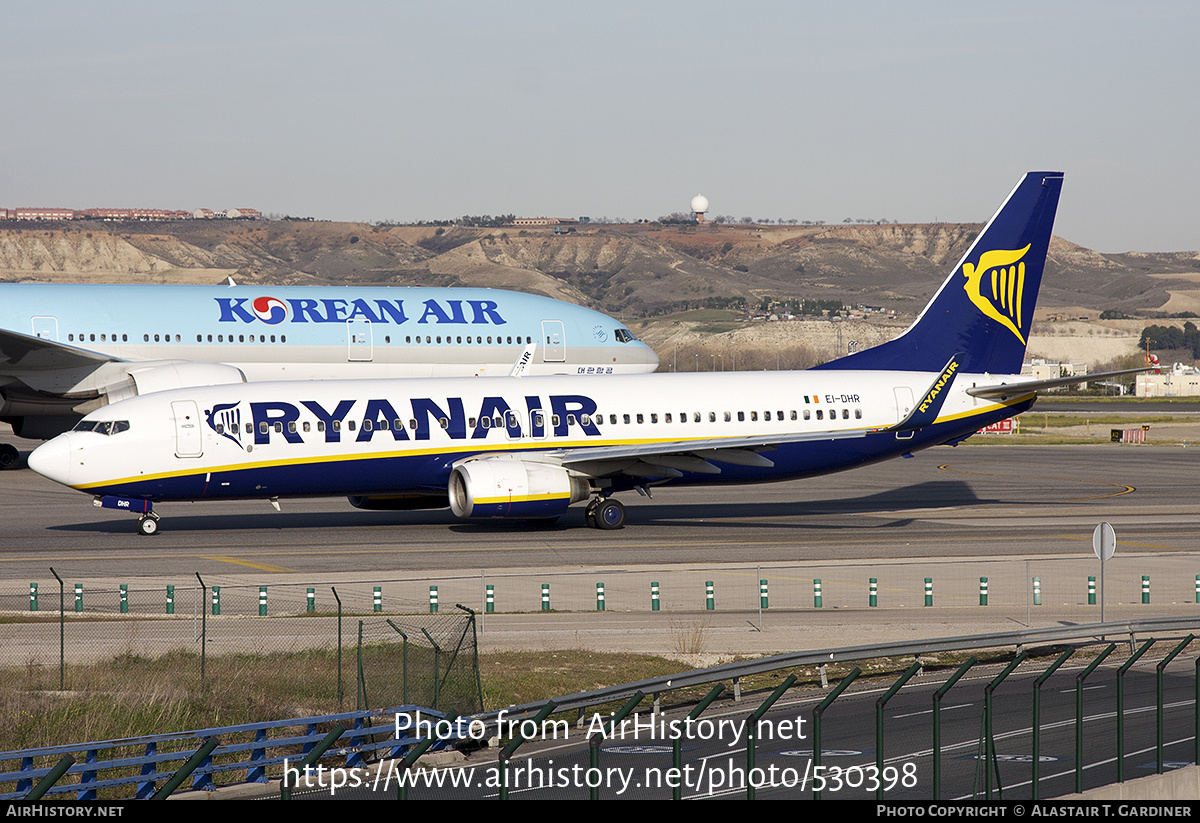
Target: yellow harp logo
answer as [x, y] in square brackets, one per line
[1007, 275]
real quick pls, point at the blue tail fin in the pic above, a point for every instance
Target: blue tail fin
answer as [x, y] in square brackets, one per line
[985, 308]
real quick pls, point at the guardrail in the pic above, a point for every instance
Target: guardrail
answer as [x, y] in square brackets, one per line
[1087, 633]
[100, 763]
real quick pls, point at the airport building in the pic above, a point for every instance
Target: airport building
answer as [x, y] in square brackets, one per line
[1180, 381]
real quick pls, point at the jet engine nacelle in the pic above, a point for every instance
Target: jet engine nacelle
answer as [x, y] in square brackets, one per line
[173, 376]
[502, 487]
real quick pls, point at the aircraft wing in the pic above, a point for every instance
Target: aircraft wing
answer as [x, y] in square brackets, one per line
[672, 458]
[1003, 391]
[27, 353]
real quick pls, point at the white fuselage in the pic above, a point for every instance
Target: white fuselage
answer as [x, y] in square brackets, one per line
[379, 437]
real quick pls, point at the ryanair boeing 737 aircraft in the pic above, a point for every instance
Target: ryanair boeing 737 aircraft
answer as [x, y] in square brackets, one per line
[529, 446]
[66, 350]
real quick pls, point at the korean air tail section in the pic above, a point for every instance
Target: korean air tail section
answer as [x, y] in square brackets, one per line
[985, 307]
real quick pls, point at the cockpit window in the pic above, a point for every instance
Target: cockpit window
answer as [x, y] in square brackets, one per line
[105, 427]
[624, 336]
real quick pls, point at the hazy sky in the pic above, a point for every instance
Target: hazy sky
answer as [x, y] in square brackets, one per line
[405, 111]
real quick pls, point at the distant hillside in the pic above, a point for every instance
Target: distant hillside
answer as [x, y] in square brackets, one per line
[629, 270]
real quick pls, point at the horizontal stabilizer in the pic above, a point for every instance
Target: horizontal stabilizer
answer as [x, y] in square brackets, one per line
[1004, 391]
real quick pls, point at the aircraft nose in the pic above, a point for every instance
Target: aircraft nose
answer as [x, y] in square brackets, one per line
[649, 356]
[52, 459]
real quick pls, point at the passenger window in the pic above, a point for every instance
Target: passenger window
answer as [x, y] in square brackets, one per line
[741, 417]
[626, 419]
[641, 419]
[807, 415]
[858, 414]
[262, 427]
[820, 415]
[753, 416]
[653, 418]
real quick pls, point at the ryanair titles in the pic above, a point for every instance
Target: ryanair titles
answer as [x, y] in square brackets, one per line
[360, 421]
[337, 310]
[941, 383]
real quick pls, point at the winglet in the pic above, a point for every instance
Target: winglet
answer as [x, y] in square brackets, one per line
[519, 368]
[926, 412]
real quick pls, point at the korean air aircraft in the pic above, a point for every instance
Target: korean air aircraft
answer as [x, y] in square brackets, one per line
[66, 350]
[529, 446]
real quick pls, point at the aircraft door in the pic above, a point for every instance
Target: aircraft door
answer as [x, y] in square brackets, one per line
[554, 348]
[45, 328]
[360, 342]
[904, 404]
[188, 438]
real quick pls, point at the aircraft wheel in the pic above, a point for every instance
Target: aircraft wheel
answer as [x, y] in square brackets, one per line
[147, 525]
[610, 514]
[9, 456]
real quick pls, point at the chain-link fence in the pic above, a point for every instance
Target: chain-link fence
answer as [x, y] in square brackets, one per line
[173, 635]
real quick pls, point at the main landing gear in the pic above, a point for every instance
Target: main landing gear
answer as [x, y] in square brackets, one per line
[9, 456]
[605, 513]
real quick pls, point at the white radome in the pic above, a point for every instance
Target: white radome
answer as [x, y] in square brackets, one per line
[700, 204]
